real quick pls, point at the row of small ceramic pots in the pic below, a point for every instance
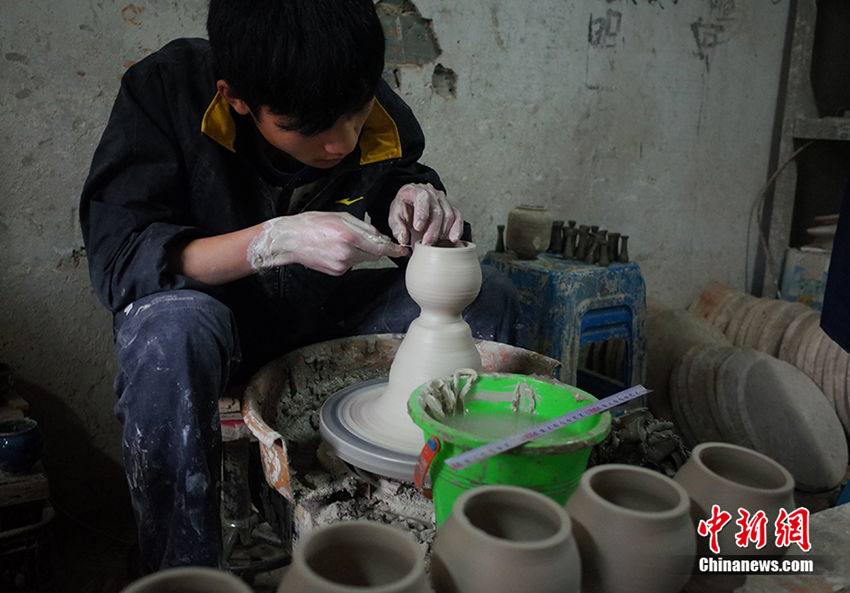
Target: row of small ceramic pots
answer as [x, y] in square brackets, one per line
[531, 231]
[785, 330]
[625, 529]
[636, 528]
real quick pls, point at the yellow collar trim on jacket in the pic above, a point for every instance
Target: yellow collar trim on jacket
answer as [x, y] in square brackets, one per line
[218, 124]
[379, 140]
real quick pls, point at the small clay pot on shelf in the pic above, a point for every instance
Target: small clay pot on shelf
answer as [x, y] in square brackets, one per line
[529, 231]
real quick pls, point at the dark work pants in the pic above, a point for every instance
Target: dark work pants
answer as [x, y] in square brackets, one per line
[178, 351]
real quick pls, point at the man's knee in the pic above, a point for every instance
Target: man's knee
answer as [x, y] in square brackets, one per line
[171, 326]
[178, 314]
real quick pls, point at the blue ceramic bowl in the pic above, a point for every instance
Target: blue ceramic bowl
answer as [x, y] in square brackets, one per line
[20, 444]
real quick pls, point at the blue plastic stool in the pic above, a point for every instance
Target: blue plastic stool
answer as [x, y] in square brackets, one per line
[569, 304]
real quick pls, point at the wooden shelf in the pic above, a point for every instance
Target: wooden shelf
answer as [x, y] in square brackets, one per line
[812, 101]
[21, 488]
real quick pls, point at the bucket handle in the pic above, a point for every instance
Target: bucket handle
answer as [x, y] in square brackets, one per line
[423, 464]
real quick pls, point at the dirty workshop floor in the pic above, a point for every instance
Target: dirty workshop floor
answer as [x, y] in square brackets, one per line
[92, 556]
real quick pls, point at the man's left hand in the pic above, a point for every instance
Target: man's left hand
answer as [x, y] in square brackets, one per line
[420, 212]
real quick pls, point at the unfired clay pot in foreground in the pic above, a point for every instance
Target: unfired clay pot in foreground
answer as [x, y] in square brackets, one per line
[188, 579]
[633, 529]
[363, 556]
[505, 539]
[734, 477]
[443, 279]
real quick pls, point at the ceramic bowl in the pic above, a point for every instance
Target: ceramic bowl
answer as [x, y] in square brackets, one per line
[20, 444]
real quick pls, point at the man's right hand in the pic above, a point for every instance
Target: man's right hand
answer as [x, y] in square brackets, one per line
[328, 242]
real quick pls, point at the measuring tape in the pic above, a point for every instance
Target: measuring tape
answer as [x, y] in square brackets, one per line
[483, 452]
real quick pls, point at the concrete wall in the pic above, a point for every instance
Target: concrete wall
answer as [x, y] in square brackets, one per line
[652, 118]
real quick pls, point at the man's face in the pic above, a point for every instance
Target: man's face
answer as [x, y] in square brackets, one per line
[323, 150]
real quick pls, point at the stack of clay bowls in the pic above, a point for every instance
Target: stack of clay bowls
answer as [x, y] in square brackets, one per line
[669, 334]
[743, 396]
[785, 330]
[717, 390]
[607, 358]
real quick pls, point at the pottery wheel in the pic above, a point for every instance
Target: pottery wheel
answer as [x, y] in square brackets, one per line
[346, 427]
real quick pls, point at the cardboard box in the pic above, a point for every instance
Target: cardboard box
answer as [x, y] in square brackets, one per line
[804, 275]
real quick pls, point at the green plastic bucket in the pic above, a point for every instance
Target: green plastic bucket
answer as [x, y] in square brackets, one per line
[494, 408]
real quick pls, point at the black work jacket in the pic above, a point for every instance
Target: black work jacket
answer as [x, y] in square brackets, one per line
[835, 317]
[174, 165]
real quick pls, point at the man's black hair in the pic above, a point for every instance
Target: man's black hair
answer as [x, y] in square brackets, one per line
[312, 60]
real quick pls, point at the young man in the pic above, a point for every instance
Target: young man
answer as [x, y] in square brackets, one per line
[225, 206]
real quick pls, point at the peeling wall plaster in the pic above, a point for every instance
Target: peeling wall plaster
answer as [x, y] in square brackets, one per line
[410, 38]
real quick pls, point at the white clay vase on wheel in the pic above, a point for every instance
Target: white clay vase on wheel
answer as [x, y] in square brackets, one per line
[443, 279]
[188, 579]
[505, 539]
[633, 529]
[733, 477]
[363, 556]
[529, 231]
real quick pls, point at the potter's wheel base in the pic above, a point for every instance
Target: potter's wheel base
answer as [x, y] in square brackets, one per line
[349, 441]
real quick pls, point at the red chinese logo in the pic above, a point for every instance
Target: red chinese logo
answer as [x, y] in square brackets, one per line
[751, 529]
[790, 528]
[793, 528]
[712, 526]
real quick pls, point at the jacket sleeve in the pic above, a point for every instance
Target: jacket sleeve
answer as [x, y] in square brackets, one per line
[134, 198]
